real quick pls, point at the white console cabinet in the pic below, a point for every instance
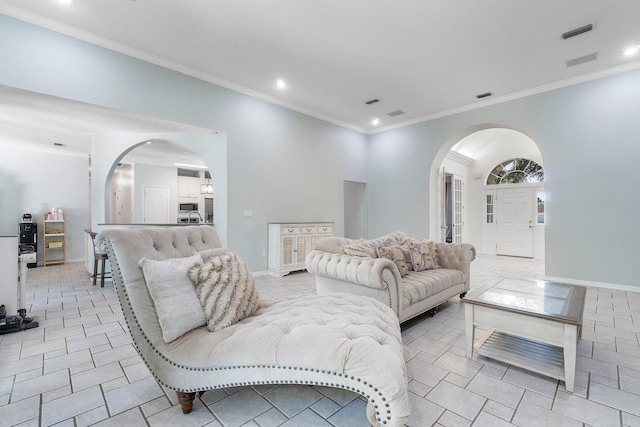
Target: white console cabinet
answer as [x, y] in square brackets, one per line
[291, 242]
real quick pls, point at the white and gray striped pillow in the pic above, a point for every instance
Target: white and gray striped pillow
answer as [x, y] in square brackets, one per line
[226, 290]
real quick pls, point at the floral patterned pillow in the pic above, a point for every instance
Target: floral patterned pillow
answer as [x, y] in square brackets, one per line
[395, 254]
[422, 254]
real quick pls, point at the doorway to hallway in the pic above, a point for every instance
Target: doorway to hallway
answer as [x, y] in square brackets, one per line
[355, 213]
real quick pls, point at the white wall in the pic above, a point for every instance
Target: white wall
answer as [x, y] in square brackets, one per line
[42, 181]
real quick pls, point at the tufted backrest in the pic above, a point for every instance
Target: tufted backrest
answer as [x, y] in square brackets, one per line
[125, 248]
[158, 243]
[335, 245]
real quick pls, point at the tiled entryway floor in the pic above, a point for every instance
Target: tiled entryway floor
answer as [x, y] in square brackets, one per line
[80, 368]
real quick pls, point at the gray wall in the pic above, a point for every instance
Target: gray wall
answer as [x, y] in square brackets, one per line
[284, 165]
[287, 166]
[42, 181]
[588, 135]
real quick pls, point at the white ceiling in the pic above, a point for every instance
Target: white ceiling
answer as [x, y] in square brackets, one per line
[428, 58]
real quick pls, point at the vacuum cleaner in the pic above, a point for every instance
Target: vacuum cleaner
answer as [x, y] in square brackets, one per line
[21, 322]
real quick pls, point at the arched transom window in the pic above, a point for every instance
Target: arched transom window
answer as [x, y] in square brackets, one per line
[516, 171]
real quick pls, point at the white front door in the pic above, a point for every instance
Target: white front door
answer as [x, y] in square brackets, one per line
[156, 204]
[515, 222]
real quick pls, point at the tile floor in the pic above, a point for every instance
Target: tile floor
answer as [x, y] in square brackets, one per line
[80, 368]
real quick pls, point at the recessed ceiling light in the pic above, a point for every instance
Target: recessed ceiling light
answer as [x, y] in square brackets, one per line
[281, 84]
[375, 122]
[631, 51]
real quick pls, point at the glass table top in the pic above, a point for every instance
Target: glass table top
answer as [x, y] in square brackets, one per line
[535, 297]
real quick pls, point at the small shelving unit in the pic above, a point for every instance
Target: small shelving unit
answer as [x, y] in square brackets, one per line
[55, 247]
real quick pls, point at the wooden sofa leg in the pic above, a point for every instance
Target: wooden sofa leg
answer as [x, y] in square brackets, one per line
[186, 401]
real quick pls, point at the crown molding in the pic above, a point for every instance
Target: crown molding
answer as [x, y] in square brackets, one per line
[516, 95]
[459, 158]
[74, 32]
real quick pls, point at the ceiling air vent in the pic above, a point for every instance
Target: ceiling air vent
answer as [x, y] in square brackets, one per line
[395, 113]
[484, 95]
[577, 31]
[372, 101]
[587, 58]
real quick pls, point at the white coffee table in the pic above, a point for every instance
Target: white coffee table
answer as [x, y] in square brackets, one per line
[532, 324]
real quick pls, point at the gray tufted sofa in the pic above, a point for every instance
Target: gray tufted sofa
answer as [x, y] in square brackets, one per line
[350, 342]
[379, 278]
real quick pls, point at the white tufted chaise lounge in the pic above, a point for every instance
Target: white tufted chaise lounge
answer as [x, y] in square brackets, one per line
[335, 340]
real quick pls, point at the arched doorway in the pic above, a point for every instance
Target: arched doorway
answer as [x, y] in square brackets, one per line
[210, 146]
[469, 157]
[151, 179]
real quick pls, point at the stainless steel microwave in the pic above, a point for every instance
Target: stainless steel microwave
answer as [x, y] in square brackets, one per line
[187, 207]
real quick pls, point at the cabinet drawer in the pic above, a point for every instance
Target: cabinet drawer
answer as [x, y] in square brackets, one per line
[308, 230]
[325, 229]
[290, 230]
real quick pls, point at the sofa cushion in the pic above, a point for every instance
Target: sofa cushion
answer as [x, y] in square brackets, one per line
[226, 290]
[369, 248]
[174, 296]
[419, 285]
[395, 254]
[362, 248]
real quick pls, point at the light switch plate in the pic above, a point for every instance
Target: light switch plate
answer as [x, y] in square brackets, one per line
[247, 212]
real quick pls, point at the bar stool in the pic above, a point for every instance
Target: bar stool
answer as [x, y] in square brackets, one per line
[98, 256]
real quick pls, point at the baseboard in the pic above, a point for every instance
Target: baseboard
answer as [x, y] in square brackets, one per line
[591, 284]
[259, 273]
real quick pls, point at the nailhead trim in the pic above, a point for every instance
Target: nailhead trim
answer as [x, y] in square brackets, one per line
[122, 293]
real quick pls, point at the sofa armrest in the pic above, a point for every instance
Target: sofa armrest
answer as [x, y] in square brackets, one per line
[379, 273]
[457, 256]
[348, 273]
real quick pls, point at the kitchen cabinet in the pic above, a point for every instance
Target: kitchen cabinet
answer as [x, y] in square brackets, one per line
[188, 186]
[290, 243]
[55, 247]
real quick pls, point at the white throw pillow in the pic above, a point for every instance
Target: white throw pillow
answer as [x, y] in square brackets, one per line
[177, 304]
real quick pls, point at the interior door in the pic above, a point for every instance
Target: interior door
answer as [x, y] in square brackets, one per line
[446, 206]
[452, 207]
[514, 213]
[156, 204]
[458, 207]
